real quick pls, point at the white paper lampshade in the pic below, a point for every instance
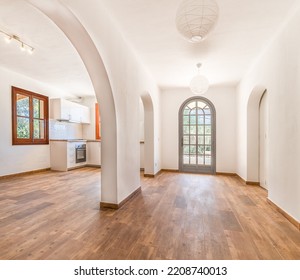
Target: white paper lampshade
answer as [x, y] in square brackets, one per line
[196, 18]
[199, 84]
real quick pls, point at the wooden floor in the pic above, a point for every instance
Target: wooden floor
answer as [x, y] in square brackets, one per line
[55, 215]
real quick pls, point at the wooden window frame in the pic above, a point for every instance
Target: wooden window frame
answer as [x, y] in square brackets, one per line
[31, 140]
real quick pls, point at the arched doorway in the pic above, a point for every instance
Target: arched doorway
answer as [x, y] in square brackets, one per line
[148, 135]
[82, 42]
[197, 136]
[263, 140]
[253, 135]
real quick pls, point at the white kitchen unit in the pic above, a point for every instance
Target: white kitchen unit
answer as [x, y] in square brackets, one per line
[63, 154]
[65, 110]
[94, 153]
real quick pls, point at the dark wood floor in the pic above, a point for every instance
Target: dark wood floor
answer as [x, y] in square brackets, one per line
[55, 215]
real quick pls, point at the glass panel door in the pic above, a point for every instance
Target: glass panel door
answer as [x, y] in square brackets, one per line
[197, 136]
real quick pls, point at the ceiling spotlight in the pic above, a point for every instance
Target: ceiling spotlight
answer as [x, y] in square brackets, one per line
[199, 84]
[22, 47]
[30, 50]
[7, 39]
[196, 18]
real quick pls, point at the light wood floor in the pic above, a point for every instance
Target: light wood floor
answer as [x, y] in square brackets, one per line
[53, 215]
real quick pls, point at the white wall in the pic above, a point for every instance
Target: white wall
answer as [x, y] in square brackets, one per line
[277, 70]
[89, 130]
[65, 130]
[224, 101]
[129, 79]
[20, 158]
[119, 78]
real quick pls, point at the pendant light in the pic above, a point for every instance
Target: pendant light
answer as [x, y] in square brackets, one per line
[196, 18]
[199, 84]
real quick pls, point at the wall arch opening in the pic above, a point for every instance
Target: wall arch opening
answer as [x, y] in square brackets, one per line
[148, 135]
[84, 45]
[253, 128]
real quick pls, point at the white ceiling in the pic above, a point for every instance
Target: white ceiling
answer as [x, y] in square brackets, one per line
[243, 29]
[54, 61]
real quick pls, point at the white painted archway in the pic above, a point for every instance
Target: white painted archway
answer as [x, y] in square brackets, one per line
[79, 37]
[253, 134]
[148, 134]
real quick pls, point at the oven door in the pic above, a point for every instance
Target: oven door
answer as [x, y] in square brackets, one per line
[80, 153]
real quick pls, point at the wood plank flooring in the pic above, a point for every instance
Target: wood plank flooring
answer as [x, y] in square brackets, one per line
[55, 215]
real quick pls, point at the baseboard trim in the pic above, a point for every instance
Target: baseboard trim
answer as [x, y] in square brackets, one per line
[93, 165]
[106, 205]
[149, 175]
[170, 170]
[285, 214]
[116, 206]
[226, 174]
[153, 175]
[24, 173]
[75, 167]
[252, 183]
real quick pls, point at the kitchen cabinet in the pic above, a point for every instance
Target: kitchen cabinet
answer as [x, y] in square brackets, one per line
[65, 110]
[63, 154]
[85, 114]
[94, 153]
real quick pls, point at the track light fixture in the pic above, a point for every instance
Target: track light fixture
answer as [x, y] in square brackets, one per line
[8, 38]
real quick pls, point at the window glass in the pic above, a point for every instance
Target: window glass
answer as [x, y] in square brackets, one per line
[201, 105]
[23, 130]
[39, 129]
[193, 120]
[186, 139]
[193, 129]
[193, 159]
[191, 105]
[186, 120]
[38, 108]
[193, 140]
[22, 105]
[186, 130]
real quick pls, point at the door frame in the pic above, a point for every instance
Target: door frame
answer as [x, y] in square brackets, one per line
[263, 141]
[193, 169]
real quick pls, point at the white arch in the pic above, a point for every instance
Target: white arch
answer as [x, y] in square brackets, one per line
[79, 37]
[253, 134]
[149, 134]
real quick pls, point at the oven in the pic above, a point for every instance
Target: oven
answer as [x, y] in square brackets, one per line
[80, 152]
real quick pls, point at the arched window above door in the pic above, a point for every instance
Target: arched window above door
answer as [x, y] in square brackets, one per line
[197, 136]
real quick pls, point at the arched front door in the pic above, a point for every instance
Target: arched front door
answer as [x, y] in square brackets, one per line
[197, 136]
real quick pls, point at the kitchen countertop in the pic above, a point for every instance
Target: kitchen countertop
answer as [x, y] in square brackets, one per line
[75, 140]
[95, 140]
